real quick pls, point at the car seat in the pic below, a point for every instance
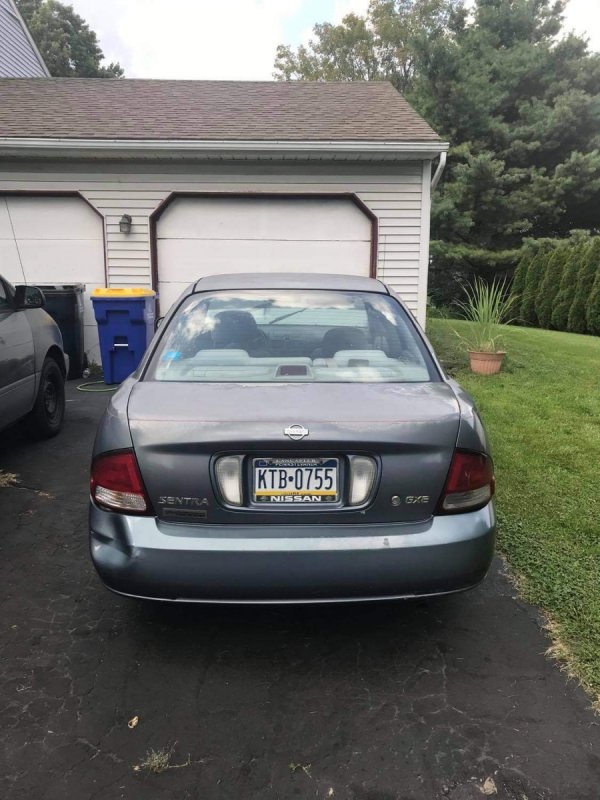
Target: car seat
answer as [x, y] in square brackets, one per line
[341, 338]
[238, 330]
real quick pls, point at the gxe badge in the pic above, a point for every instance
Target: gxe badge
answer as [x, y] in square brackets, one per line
[296, 432]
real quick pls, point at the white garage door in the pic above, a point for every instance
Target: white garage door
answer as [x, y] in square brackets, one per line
[53, 240]
[199, 236]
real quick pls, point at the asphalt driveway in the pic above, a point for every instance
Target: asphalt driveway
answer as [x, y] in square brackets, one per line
[448, 698]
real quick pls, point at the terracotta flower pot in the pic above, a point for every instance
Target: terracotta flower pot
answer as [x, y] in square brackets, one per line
[486, 363]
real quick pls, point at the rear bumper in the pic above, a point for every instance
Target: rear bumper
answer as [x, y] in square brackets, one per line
[144, 557]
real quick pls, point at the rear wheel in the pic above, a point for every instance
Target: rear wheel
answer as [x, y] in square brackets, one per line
[47, 416]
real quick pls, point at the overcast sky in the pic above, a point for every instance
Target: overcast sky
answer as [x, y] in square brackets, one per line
[231, 39]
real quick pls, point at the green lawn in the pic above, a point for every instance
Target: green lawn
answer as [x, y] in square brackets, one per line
[543, 416]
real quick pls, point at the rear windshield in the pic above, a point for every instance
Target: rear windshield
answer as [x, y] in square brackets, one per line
[291, 336]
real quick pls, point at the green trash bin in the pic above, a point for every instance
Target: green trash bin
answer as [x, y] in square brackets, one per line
[64, 303]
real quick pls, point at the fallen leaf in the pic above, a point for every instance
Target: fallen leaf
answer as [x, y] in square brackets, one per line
[330, 793]
[488, 787]
[133, 722]
[304, 767]
[7, 479]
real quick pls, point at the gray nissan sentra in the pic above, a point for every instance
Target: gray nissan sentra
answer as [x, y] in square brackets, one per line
[290, 438]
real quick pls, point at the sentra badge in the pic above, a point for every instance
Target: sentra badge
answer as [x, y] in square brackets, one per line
[184, 502]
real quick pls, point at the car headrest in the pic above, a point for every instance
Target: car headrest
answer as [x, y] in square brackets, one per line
[342, 338]
[234, 328]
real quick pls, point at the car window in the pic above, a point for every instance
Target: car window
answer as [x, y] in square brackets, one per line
[312, 316]
[291, 335]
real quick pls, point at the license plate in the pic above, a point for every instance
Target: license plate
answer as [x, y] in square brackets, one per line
[296, 480]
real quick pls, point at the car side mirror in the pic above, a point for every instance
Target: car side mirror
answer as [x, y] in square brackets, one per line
[29, 297]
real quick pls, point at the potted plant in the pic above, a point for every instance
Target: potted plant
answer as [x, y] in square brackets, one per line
[486, 307]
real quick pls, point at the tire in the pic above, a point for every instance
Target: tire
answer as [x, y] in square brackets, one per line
[46, 417]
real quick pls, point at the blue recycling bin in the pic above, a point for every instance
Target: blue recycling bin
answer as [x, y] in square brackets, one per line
[125, 319]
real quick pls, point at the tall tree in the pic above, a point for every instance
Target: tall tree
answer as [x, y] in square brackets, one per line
[535, 276]
[593, 307]
[518, 100]
[348, 51]
[67, 44]
[589, 266]
[380, 46]
[568, 284]
[520, 277]
[550, 285]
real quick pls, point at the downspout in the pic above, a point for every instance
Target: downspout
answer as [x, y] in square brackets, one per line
[440, 168]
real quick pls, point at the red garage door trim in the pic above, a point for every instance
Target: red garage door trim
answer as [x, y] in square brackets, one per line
[157, 213]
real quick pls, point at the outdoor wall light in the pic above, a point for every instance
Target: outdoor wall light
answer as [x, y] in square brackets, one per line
[125, 223]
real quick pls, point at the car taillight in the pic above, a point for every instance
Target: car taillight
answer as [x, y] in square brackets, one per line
[116, 483]
[229, 477]
[362, 475]
[470, 483]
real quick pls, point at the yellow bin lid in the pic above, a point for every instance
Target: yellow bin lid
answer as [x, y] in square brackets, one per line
[134, 291]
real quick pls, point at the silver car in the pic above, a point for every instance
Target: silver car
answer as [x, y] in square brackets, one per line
[290, 438]
[33, 365]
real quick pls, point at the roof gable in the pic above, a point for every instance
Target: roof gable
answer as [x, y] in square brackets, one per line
[19, 57]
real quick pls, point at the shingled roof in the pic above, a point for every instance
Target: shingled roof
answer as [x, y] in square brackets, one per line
[99, 109]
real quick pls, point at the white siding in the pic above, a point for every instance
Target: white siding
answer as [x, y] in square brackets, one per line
[18, 56]
[393, 192]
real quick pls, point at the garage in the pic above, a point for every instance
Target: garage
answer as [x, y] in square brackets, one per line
[203, 177]
[208, 235]
[54, 240]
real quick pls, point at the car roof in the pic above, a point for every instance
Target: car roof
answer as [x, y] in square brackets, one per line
[289, 280]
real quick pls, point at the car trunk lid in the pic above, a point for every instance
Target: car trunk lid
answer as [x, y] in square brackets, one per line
[179, 428]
